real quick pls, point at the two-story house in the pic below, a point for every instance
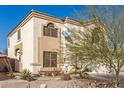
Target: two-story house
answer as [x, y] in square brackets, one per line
[38, 40]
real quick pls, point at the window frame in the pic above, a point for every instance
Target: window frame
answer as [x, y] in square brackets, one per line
[51, 62]
[8, 42]
[19, 34]
[50, 30]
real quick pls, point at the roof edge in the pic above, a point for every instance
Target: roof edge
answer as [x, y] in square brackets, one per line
[19, 23]
[30, 14]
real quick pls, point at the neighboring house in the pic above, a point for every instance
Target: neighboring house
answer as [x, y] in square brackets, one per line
[38, 40]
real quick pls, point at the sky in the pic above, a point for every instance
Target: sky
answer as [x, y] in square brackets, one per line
[11, 15]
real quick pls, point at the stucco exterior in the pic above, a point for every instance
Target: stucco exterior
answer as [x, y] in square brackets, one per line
[27, 45]
[33, 42]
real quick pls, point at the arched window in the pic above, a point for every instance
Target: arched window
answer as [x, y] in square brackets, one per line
[50, 30]
[50, 26]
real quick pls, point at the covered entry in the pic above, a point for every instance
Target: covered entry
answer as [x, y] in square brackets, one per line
[18, 59]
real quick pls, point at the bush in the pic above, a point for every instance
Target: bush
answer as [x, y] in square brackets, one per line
[83, 73]
[87, 69]
[26, 75]
[72, 71]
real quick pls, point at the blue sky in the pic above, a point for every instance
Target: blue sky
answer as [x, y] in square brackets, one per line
[10, 16]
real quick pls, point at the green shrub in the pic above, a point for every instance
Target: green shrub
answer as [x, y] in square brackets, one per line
[72, 71]
[87, 69]
[26, 75]
[83, 73]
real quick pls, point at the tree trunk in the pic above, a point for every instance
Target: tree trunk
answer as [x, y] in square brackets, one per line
[117, 78]
[80, 74]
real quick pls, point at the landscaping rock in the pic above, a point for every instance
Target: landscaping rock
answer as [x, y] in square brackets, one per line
[43, 86]
[65, 77]
[17, 77]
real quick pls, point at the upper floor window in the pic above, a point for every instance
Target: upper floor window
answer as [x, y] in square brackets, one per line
[50, 30]
[19, 34]
[8, 42]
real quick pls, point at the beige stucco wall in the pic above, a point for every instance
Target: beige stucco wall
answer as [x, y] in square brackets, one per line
[27, 45]
[27, 39]
[34, 43]
[44, 43]
[13, 42]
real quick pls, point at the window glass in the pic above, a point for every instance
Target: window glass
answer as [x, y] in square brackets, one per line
[19, 34]
[8, 42]
[49, 59]
[50, 30]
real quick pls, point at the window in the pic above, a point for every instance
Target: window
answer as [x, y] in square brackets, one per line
[49, 59]
[19, 34]
[50, 30]
[8, 42]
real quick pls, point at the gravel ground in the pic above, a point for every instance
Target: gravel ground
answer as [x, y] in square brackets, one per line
[74, 83]
[3, 76]
[55, 82]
